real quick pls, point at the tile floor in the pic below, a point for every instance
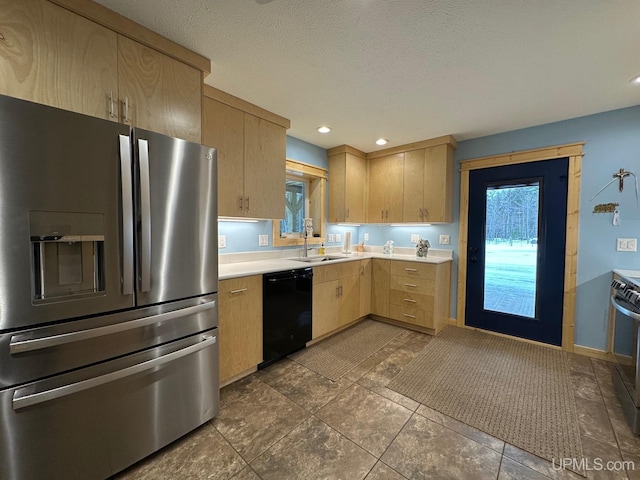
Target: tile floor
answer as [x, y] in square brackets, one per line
[289, 423]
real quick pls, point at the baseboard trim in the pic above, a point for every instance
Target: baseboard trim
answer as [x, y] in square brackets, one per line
[594, 353]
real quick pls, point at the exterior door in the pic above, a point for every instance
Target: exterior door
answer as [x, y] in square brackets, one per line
[516, 249]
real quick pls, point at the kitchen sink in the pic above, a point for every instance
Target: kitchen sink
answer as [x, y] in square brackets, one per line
[318, 258]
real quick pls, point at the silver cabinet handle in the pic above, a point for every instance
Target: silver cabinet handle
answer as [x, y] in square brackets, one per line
[241, 202]
[145, 214]
[382, 215]
[347, 212]
[410, 300]
[407, 315]
[247, 204]
[412, 285]
[127, 214]
[22, 401]
[411, 269]
[23, 343]
[111, 109]
[240, 290]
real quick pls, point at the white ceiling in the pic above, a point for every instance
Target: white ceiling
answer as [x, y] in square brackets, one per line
[409, 70]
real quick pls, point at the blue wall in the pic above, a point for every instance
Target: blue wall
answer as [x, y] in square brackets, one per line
[612, 141]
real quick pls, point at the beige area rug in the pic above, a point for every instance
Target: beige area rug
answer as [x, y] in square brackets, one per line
[336, 355]
[515, 391]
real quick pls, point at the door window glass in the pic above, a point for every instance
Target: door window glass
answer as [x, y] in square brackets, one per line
[511, 248]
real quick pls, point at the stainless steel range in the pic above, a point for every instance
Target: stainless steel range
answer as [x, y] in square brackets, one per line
[625, 300]
[108, 292]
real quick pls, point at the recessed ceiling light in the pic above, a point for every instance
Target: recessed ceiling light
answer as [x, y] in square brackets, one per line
[324, 129]
[635, 80]
[382, 141]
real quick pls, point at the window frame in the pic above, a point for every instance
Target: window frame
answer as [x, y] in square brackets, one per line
[317, 182]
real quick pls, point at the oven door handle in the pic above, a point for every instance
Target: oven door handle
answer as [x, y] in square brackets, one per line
[622, 309]
[20, 344]
[22, 401]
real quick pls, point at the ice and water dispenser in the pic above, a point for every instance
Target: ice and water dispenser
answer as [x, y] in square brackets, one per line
[67, 255]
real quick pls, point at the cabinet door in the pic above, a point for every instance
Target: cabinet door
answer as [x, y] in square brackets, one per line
[349, 299]
[52, 56]
[413, 186]
[161, 94]
[325, 308]
[385, 189]
[240, 324]
[380, 287]
[394, 188]
[438, 184]
[378, 178]
[264, 168]
[337, 188]
[223, 128]
[365, 287]
[355, 183]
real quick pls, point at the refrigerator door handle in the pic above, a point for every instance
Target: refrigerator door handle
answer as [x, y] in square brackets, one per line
[23, 401]
[20, 344]
[127, 215]
[145, 213]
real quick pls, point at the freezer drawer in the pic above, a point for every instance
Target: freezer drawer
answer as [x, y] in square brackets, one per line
[96, 421]
[29, 355]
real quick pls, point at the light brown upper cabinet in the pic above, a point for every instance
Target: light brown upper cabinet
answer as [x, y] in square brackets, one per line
[347, 185]
[52, 56]
[428, 184]
[157, 92]
[251, 144]
[85, 58]
[385, 189]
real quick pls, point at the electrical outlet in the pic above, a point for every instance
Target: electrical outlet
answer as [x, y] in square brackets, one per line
[415, 238]
[444, 239]
[366, 237]
[263, 240]
[627, 244]
[222, 241]
[329, 237]
[338, 237]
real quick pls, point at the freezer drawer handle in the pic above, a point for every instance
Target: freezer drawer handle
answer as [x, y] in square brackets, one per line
[127, 215]
[41, 397]
[20, 345]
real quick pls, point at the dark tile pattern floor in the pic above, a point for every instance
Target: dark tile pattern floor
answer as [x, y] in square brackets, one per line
[289, 423]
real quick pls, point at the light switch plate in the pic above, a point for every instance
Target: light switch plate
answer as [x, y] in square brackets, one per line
[366, 237]
[222, 241]
[627, 244]
[338, 237]
[329, 237]
[415, 238]
[444, 239]
[263, 240]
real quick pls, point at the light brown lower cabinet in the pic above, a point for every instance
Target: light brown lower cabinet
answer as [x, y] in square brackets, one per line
[380, 287]
[240, 325]
[419, 294]
[336, 296]
[366, 266]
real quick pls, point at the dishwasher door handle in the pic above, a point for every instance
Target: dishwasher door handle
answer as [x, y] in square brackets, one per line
[284, 279]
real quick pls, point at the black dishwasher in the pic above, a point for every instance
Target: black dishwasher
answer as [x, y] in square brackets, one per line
[286, 313]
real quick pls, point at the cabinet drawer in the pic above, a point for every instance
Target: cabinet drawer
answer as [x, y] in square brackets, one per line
[415, 316]
[328, 273]
[418, 285]
[411, 300]
[414, 269]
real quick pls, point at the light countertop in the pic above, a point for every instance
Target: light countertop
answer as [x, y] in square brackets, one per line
[258, 267]
[629, 276]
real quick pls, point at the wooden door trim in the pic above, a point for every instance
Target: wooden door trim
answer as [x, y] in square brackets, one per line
[575, 153]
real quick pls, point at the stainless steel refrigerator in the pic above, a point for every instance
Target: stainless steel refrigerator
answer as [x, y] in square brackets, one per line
[108, 292]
